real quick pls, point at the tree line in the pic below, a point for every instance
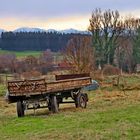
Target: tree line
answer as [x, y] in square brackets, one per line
[115, 41]
[34, 41]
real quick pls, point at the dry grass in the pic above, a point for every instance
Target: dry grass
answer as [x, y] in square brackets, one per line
[111, 114]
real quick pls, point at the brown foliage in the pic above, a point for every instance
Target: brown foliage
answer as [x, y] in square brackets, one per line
[31, 60]
[46, 58]
[78, 54]
[123, 55]
[110, 70]
[30, 74]
[10, 64]
[7, 63]
[97, 75]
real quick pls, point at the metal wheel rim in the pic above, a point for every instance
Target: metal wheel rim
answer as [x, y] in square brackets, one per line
[82, 102]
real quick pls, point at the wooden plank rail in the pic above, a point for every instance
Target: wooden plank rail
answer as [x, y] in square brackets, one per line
[26, 86]
[39, 86]
[71, 76]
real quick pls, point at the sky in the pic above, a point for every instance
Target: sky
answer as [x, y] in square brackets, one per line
[58, 14]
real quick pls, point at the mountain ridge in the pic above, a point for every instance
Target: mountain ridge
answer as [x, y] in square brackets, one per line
[65, 31]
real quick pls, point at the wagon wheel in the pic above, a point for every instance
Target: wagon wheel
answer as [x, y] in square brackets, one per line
[49, 105]
[81, 100]
[54, 104]
[59, 101]
[20, 109]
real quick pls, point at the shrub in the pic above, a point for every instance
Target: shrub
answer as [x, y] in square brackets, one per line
[110, 70]
[1, 80]
[30, 74]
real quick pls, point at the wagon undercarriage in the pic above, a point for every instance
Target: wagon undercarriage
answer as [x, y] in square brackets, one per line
[35, 94]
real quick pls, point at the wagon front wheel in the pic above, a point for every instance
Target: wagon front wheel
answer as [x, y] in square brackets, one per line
[54, 104]
[81, 100]
[20, 109]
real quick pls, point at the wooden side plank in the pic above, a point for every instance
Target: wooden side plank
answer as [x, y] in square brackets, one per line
[71, 76]
[31, 87]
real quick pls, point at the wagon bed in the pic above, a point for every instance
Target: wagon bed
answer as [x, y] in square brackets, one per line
[40, 86]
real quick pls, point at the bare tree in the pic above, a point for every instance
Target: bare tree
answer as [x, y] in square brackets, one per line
[129, 43]
[105, 27]
[31, 63]
[79, 54]
[123, 55]
[46, 58]
[7, 63]
[46, 61]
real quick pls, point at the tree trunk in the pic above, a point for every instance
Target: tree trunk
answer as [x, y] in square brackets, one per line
[108, 59]
[99, 66]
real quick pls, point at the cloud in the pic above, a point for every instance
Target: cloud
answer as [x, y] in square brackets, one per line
[56, 8]
[77, 22]
[58, 14]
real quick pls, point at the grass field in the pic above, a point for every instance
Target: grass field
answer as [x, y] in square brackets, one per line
[110, 115]
[2, 89]
[22, 54]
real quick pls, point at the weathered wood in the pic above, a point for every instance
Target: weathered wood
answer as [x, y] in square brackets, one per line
[71, 76]
[26, 86]
[39, 86]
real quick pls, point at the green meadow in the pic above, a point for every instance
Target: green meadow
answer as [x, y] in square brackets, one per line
[22, 53]
[110, 115]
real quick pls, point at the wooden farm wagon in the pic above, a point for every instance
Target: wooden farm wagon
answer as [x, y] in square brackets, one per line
[37, 93]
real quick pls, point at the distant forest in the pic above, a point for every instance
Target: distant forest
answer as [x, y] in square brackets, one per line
[34, 41]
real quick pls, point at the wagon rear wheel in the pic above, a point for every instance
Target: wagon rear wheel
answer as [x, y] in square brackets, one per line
[20, 109]
[49, 105]
[81, 100]
[54, 104]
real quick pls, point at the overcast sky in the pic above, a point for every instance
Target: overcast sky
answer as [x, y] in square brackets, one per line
[58, 14]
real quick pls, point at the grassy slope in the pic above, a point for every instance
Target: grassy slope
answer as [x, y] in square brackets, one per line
[109, 115]
[21, 54]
